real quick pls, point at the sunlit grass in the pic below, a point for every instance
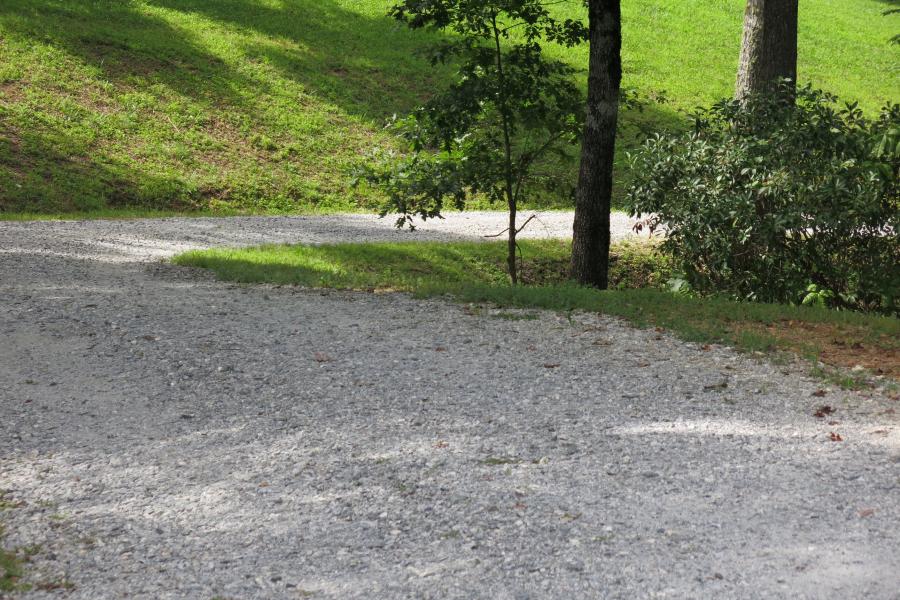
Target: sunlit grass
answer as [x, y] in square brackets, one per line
[262, 105]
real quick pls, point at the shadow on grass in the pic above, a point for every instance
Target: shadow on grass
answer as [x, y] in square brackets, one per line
[51, 170]
[128, 46]
[369, 66]
[220, 54]
[409, 267]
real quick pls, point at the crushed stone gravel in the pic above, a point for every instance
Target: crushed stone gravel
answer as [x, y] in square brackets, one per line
[165, 435]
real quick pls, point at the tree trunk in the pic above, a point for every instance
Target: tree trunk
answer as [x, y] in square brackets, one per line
[769, 47]
[507, 150]
[511, 244]
[593, 198]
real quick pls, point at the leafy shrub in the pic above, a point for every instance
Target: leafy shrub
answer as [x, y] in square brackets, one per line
[763, 200]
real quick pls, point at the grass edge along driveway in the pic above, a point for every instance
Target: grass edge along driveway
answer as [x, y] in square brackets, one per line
[473, 272]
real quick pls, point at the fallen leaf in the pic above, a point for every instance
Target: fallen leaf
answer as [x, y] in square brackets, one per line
[824, 410]
[835, 437]
[440, 349]
[705, 347]
[866, 512]
[819, 393]
[264, 484]
[322, 357]
[441, 444]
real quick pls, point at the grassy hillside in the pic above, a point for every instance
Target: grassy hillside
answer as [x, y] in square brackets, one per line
[261, 105]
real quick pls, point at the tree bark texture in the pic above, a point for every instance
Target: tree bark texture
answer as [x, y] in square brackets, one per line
[593, 197]
[769, 47]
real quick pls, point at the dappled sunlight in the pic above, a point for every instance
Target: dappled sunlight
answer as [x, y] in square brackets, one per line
[125, 252]
[324, 404]
[150, 239]
[872, 433]
[220, 503]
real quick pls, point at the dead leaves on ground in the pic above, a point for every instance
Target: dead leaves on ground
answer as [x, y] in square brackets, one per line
[824, 411]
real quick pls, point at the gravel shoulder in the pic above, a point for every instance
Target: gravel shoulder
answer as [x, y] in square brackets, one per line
[165, 435]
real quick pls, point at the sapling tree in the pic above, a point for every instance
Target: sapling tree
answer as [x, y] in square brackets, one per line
[485, 135]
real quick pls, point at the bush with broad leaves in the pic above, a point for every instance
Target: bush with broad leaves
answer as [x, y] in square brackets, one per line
[763, 199]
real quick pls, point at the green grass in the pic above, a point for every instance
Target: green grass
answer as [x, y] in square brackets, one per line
[11, 572]
[261, 105]
[424, 268]
[474, 272]
[11, 561]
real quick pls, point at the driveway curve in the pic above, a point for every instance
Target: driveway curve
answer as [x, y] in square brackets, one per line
[165, 435]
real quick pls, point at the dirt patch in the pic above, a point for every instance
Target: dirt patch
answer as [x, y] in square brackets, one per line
[841, 345]
[12, 91]
[94, 99]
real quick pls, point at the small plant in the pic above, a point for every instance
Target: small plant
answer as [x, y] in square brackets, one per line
[780, 201]
[817, 296]
[12, 566]
[508, 108]
[679, 286]
[11, 572]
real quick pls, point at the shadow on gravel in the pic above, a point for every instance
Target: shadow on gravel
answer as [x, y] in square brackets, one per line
[388, 505]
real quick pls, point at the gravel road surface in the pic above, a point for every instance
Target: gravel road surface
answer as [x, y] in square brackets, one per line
[164, 435]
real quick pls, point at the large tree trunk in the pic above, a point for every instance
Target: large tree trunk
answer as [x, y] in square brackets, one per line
[590, 242]
[769, 48]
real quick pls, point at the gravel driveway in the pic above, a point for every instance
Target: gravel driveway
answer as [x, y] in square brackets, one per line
[163, 435]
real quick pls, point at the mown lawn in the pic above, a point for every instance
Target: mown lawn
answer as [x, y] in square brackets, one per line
[474, 272]
[261, 105]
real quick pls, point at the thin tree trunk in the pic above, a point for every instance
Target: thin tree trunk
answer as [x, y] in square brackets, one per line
[508, 166]
[511, 244]
[593, 199]
[769, 46]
